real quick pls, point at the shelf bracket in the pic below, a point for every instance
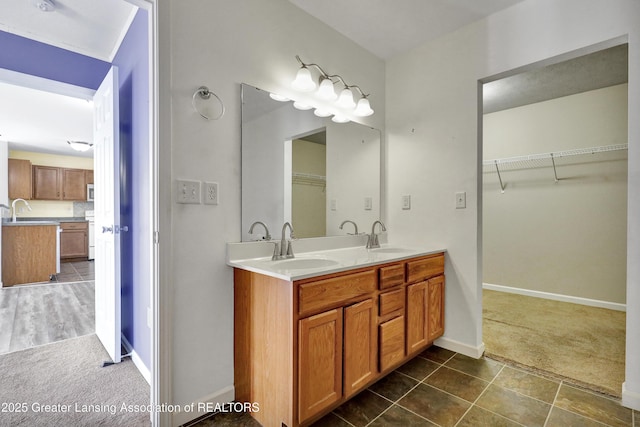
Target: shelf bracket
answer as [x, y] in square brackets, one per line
[555, 173]
[502, 186]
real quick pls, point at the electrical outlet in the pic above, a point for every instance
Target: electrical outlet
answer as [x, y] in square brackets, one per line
[188, 191]
[211, 193]
[461, 200]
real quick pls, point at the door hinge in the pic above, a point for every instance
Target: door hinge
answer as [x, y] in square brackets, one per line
[156, 237]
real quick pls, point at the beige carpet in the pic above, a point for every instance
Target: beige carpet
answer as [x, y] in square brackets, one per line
[583, 344]
[39, 383]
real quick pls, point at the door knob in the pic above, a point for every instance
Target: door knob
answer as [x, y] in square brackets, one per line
[107, 229]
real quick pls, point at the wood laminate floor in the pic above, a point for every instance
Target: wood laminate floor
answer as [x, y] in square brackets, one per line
[37, 314]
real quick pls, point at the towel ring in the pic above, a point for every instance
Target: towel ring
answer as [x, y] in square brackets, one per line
[204, 93]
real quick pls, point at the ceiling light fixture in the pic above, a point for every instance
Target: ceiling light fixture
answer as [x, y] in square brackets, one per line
[80, 145]
[45, 5]
[325, 99]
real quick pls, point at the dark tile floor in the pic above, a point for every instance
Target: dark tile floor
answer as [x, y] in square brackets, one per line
[78, 271]
[442, 388]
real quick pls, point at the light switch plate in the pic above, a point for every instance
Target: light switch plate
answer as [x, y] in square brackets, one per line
[461, 200]
[406, 202]
[334, 205]
[368, 203]
[188, 191]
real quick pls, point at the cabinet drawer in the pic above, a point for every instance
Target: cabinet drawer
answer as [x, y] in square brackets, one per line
[391, 275]
[424, 268]
[331, 292]
[391, 301]
[391, 343]
[83, 225]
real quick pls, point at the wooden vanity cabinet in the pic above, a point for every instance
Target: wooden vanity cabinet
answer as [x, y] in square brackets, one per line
[302, 348]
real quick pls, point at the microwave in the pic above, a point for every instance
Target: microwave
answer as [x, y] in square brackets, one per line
[89, 192]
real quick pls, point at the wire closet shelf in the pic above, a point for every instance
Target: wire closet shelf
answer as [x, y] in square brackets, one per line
[542, 160]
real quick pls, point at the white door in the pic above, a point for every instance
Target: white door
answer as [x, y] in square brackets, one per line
[107, 213]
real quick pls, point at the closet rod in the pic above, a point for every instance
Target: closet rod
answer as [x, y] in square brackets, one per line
[555, 154]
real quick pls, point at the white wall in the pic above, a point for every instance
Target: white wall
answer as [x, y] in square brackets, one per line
[567, 238]
[433, 129]
[222, 44]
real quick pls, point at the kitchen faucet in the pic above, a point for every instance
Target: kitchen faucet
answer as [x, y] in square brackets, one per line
[284, 249]
[267, 235]
[372, 241]
[13, 207]
[354, 225]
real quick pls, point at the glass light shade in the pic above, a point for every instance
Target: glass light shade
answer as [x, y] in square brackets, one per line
[322, 113]
[303, 81]
[277, 97]
[363, 108]
[339, 118]
[345, 100]
[302, 106]
[79, 145]
[326, 90]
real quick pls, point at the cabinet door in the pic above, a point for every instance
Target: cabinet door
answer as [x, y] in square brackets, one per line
[88, 176]
[360, 361]
[391, 342]
[19, 179]
[73, 240]
[436, 307]
[73, 184]
[417, 316]
[47, 183]
[319, 362]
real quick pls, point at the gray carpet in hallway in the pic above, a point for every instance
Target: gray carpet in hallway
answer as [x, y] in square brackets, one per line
[68, 375]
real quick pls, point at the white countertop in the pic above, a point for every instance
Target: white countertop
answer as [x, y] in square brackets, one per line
[320, 262]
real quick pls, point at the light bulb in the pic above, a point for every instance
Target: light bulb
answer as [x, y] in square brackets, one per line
[363, 108]
[301, 106]
[339, 118]
[279, 98]
[303, 81]
[326, 90]
[345, 100]
[322, 113]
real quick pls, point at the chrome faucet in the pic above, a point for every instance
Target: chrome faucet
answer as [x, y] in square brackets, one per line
[354, 225]
[284, 249]
[372, 241]
[267, 235]
[13, 207]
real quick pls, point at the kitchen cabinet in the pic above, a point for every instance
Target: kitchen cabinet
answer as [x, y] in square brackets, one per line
[28, 253]
[304, 347]
[74, 240]
[47, 182]
[88, 176]
[53, 183]
[20, 182]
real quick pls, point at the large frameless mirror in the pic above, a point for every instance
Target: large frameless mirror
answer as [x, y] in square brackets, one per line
[306, 170]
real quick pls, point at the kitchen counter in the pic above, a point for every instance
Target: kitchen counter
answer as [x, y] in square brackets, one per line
[28, 223]
[314, 263]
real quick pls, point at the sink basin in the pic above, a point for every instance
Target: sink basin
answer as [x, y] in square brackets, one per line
[304, 263]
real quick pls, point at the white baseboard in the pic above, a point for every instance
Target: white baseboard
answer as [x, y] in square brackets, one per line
[468, 350]
[226, 395]
[135, 358]
[556, 297]
[630, 399]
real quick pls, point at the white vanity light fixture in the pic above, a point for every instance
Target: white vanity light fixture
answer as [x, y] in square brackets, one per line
[342, 105]
[79, 145]
[302, 106]
[322, 113]
[339, 118]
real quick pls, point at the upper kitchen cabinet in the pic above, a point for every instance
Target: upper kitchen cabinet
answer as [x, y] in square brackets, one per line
[52, 183]
[20, 182]
[88, 176]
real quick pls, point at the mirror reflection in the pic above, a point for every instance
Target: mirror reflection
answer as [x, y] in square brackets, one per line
[306, 170]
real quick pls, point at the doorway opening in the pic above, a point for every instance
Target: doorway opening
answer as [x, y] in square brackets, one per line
[554, 205]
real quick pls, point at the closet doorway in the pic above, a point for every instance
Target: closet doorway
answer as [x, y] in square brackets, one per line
[555, 218]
